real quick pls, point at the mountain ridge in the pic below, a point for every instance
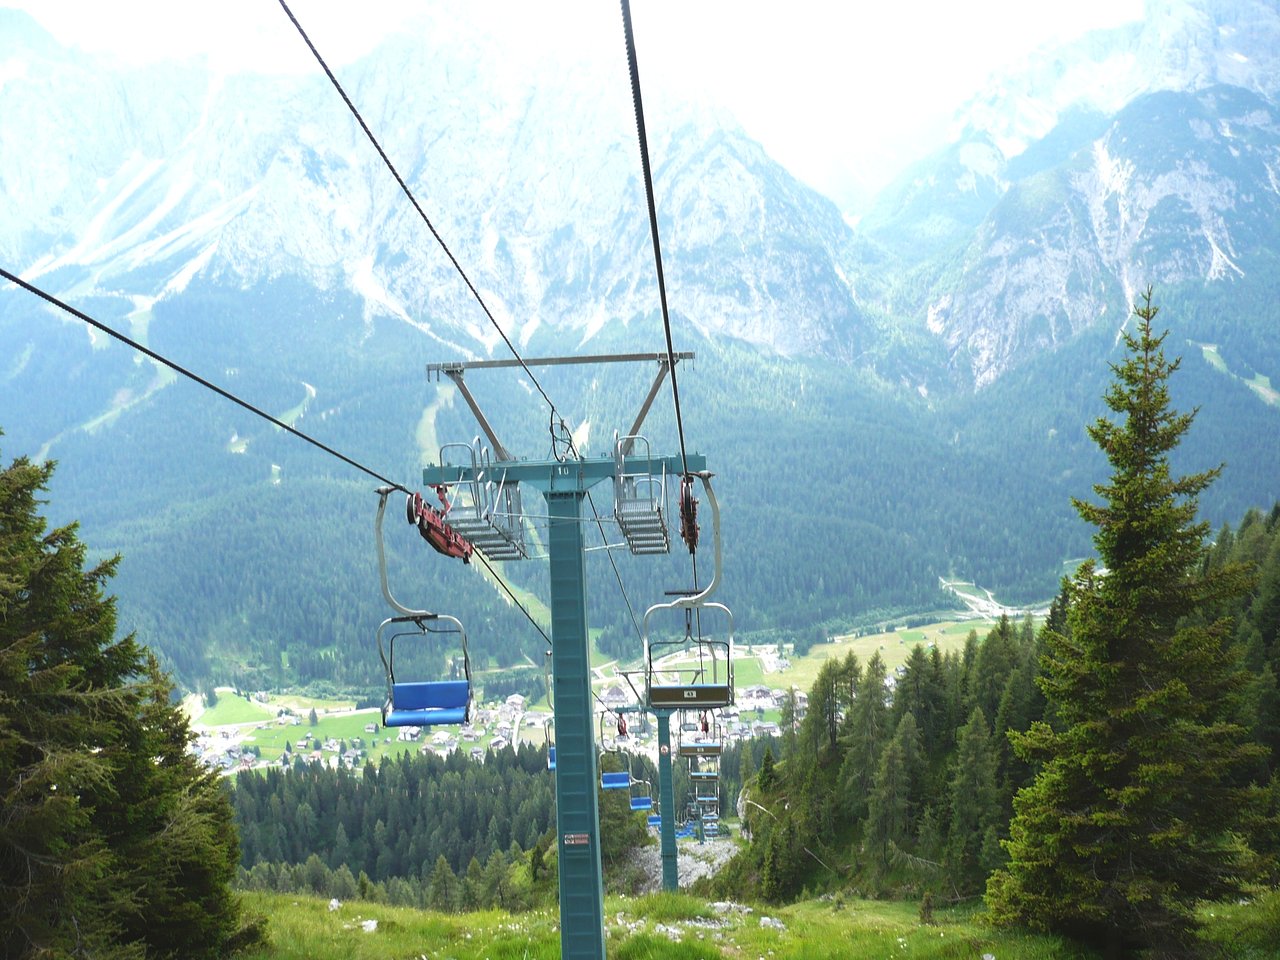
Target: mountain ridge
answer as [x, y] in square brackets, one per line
[887, 404]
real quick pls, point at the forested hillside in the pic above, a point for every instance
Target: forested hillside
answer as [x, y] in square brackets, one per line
[449, 833]
[844, 499]
[911, 791]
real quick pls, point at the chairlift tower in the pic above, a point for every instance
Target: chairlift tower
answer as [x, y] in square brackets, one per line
[666, 790]
[564, 485]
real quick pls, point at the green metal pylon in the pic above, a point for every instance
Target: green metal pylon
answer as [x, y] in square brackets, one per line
[577, 800]
[667, 804]
[564, 485]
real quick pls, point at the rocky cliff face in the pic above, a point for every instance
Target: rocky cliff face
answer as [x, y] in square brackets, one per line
[134, 182]
[1142, 155]
[1180, 45]
[1145, 154]
[1181, 189]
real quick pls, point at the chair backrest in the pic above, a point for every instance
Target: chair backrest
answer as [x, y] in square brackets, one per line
[430, 695]
[615, 781]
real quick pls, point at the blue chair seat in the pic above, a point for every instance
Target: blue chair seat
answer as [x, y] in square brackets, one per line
[551, 758]
[427, 703]
[655, 820]
[642, 803]
[615, 781]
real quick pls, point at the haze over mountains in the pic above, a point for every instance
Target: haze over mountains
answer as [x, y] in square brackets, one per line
[906, 385]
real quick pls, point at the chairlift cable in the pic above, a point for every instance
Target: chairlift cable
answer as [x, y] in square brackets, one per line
[404, 188]
[503, 584]
[556, 420]
[653, 220]
[228, 395]
[613, 563]
[178, 368]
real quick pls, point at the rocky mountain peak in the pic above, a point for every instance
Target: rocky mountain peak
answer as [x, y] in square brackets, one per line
[1180, 45]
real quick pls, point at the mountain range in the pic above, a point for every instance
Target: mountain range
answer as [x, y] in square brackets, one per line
[891, 395]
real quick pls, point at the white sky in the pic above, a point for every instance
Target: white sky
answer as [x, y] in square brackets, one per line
[841, 93]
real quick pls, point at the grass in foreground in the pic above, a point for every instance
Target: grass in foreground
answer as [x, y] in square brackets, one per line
[666, 926]
[656, 927]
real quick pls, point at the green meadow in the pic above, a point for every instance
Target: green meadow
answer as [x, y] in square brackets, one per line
[681, 927]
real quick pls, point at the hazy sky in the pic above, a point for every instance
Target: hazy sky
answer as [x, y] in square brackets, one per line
[840, 93]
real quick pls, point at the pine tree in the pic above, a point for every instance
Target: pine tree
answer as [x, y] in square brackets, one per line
[443, 888]
[865, 729]
[768, 778]
[821, 723]
[472, 893]
[887, 811]
[1127, 825]
[975, 805]
[114, 841]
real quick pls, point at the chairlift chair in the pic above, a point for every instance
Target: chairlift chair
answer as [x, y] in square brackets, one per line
[486, 509]
[703, 739]
[423, 703]
[644, 799]
[612, 780]
[708, 682]
[706, 786]
[619, 780]
[640, 497]
[419, 703]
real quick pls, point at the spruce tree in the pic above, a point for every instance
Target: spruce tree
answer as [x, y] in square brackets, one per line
[442, 887]
[1128, 824]
[894, 794]
[114, 841]
[864, 732]
[975, 805]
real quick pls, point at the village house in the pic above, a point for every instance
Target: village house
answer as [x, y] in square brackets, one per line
[615, 696]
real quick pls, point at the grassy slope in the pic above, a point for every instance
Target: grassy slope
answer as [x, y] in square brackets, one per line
[894, 648]
[679, 927]
[658, 927]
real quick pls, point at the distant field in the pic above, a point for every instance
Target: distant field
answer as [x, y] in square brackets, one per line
[747, 671]
[233, 709]
[304, 704]
[894, 648]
